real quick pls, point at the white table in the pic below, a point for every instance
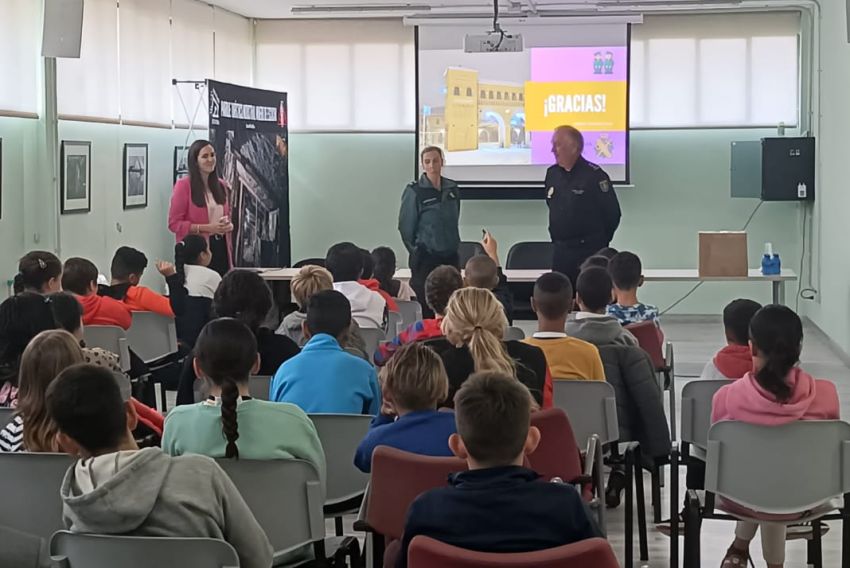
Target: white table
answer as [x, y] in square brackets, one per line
[650, 275]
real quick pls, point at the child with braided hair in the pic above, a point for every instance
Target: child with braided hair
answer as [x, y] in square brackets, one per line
[225, 357]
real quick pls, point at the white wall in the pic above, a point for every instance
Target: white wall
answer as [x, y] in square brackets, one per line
[832, 310]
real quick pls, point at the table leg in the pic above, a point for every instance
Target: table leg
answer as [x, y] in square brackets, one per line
[779, 292]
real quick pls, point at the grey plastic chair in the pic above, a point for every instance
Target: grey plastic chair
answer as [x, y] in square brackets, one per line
[695, 413]
[514, 334]
[467, 250]
[591, 407]
[6, 415]
[152, 336]
[70, 550]
[109, 337]
[259, 386]
[34, 506]
[285, 497]
[372, 337]
[781, 470]
[340, 435]
[411, 312]
[394, 320]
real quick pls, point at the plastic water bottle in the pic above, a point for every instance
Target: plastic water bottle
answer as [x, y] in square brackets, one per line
[770, 263]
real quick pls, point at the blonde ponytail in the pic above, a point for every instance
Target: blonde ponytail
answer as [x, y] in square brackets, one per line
[475, 318]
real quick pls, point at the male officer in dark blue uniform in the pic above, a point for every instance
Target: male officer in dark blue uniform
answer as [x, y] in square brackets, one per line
[583, 209]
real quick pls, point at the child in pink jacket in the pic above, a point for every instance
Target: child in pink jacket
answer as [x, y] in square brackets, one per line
[776, 392]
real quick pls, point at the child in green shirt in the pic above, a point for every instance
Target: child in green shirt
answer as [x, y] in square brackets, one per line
[226, 356]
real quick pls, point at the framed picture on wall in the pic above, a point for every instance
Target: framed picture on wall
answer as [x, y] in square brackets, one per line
[135, 175]
[181, 169]
[75, 176]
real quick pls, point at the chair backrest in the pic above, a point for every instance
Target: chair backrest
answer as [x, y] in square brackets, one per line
[152, 336]
[426, 552]
[650, 340]
[285, 497]
[530, 255]
[340, 435]
[34, 505]
[591, 407]
[72, 550]
[514, 334]
[696, 410]
[467, 250]
[372, 337]
[399, 477]
[557, 454]
[6, 415]
[394, 320]
[779, 469]
[410, 311]
[309, 261]
[259, 386]
[109, 337]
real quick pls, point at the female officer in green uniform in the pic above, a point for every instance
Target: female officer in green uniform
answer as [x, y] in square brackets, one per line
[428, 222]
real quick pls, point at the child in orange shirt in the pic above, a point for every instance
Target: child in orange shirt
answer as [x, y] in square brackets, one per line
[128, 265]
[79, 276]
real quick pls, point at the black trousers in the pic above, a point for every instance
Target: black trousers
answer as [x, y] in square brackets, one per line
[422, 262]
[218, 249]
[567, 256]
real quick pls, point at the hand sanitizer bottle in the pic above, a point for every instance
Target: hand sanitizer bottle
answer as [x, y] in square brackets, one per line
[770, 263]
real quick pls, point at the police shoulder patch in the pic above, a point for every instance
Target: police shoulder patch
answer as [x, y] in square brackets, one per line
[550, 193]
[605, 185]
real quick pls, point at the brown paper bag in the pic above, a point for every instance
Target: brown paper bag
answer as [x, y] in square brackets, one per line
[723, 253]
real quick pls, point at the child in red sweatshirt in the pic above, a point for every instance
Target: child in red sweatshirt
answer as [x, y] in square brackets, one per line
[735, 360]
[79, 276]
[128, 265]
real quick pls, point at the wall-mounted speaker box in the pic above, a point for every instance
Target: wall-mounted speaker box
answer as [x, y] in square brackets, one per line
[788, 169]
[774, 169]
[63, 28]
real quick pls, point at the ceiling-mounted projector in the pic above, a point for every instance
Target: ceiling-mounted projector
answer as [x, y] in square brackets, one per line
[496, 40]
[493, 42]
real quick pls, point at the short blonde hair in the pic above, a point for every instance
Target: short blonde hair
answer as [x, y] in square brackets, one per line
[309, 280]
[415, 377]
[475, 318]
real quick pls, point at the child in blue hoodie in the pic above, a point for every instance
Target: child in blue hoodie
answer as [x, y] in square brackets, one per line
[323, 378]
[413, 384]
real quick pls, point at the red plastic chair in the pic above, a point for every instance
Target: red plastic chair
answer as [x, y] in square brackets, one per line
[399, 477]
[651, 339]
[425, 552]
[557, 455]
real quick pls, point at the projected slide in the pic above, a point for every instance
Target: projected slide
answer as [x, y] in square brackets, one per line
[493, 113]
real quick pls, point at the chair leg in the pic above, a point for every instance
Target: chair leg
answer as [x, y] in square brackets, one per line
[845, 533]
[692, 531]
[674, 505]
[814, 548]
[641, 507]
[340, 531]
[656, 493]
[600, 491]
[377, 550]
[630, 535]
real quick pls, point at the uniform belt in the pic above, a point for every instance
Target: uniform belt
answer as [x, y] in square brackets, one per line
[590, 240]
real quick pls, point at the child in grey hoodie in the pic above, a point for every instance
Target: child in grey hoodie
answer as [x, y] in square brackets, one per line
[115, 488]
[594, 291]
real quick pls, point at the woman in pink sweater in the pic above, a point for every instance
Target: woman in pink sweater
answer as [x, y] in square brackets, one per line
[776, 392]
[199, 206]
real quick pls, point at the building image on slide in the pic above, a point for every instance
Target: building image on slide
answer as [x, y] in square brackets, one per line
[477, 114]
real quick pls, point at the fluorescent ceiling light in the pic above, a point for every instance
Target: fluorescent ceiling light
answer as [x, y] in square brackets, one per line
[314, 9]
